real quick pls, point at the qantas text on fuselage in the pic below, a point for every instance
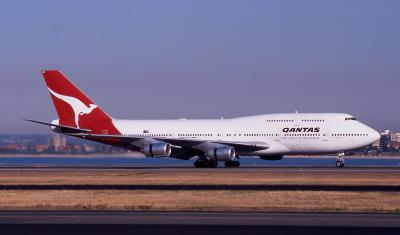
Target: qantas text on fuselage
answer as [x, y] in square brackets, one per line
[301, 129]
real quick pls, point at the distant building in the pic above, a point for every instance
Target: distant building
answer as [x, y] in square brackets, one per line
[14, 148]
[397, 137]
[390, 141]
[393, 136]
[57, 143]
[384, 142]
[40, 148]
[376, 145]
[89, 148]
[76, 148]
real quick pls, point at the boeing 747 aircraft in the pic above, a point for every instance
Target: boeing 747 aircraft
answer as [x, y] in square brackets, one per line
[269, 136]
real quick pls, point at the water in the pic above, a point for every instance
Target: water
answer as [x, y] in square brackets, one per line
[132, 161]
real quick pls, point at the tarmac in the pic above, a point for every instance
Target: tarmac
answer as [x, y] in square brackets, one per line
[100, 222]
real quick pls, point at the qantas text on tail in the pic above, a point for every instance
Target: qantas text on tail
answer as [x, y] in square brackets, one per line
[269, 136]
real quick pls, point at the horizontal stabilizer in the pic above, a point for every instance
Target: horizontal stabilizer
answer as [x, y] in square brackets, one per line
[62, 128]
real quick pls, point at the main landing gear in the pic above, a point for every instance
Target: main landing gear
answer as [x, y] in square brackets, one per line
[340, 160]
[232, 164]
[205, 163]
[211, 163]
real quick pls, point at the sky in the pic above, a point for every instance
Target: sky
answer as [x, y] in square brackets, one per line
[172, 59]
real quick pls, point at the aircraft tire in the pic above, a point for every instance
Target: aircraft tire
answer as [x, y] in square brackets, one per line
[339, 164]
[236, 164]
[200, 163]
[211, 163]
[232, 164]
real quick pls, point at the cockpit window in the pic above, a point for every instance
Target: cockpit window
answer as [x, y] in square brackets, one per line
[350, 118]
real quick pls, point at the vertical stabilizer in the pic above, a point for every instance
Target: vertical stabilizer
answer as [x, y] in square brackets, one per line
[74, 108]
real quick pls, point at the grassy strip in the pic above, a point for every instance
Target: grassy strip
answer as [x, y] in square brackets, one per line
[265, 201]
[196, 177]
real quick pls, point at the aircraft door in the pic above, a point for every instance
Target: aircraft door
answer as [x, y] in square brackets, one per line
[325, 136]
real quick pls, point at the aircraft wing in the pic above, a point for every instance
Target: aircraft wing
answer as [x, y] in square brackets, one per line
[176, 142]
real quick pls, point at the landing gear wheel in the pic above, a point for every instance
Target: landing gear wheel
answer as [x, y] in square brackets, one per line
[200, 163]
[339, 164]
[340, 161]
[232, 164]
[211, 163]
[205, 163]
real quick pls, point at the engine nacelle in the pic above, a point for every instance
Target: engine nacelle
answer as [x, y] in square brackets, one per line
[272, 157]
[157, 150]
[222, 153]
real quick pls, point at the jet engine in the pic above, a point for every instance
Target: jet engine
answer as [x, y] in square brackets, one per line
[157, 150]
[222, 153]
[272, 157]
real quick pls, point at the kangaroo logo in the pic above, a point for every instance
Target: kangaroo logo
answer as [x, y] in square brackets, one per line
[78, 106]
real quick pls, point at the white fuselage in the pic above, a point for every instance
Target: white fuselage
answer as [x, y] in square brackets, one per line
[285, 134]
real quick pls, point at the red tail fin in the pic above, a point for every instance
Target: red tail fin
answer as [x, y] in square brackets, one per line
[74, 108]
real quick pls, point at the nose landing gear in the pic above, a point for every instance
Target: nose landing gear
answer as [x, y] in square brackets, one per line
[340, 161]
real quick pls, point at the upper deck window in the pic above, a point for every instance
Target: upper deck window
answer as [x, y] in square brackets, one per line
[350, 118]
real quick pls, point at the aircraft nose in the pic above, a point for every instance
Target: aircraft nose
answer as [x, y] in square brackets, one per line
[375, 136]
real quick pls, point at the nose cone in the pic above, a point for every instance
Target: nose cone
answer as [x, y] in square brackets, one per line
[375, 136]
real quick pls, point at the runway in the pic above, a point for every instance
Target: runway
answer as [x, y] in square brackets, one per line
[98, 222]
[201, 218]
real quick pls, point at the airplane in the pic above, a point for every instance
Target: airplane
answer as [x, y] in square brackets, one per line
[270, 136]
